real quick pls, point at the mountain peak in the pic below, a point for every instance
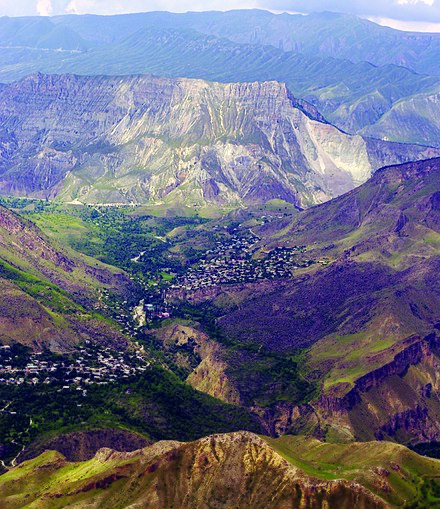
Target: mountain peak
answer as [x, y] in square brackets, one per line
[232, 470]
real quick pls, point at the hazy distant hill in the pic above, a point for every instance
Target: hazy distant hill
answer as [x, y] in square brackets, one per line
[326, 34]
[38, 32]
[421, 110]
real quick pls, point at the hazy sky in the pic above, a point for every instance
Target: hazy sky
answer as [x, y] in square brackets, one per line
[404, 14]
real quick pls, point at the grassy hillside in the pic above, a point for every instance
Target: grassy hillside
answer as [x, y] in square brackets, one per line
[52, 297]
[50, 292]
[359, 293]
[401, 477]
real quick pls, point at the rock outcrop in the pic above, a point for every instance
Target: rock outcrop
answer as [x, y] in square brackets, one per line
[411, 355]
[207, 366]
[397, 400]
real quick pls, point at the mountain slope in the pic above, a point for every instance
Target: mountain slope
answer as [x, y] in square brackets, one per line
[236, 470]
[357, 316]
[352, 95]
[38, 32]
[157, 140]
[49, 294]
[416, 116]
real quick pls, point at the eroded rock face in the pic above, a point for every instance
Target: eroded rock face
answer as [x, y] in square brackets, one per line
[143, 139]
[397, 400]
[208, 367]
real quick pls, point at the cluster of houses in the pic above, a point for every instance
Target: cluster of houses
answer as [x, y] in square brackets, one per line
[231, 262]
[88, 365]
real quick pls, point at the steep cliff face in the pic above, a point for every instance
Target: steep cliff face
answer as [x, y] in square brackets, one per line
[315, 55]
[228, 471]
[211, 377]
[202, 357]
[155, 140]
[397, 400]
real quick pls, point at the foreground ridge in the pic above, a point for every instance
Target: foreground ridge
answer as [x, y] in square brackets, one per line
[232, 470]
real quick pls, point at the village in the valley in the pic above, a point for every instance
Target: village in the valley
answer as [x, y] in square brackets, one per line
[89, 364]
[232, 262]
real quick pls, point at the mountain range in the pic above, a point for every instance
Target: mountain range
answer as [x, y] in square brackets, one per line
[234, 470]
[362, 77]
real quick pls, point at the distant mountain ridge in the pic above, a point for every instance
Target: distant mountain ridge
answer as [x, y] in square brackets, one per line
[330, 34]
[353, 70]
[142, 139]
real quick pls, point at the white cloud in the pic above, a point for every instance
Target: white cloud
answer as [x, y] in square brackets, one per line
[427, 11]
[406, 26]
[44, 7]
[75, 7]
